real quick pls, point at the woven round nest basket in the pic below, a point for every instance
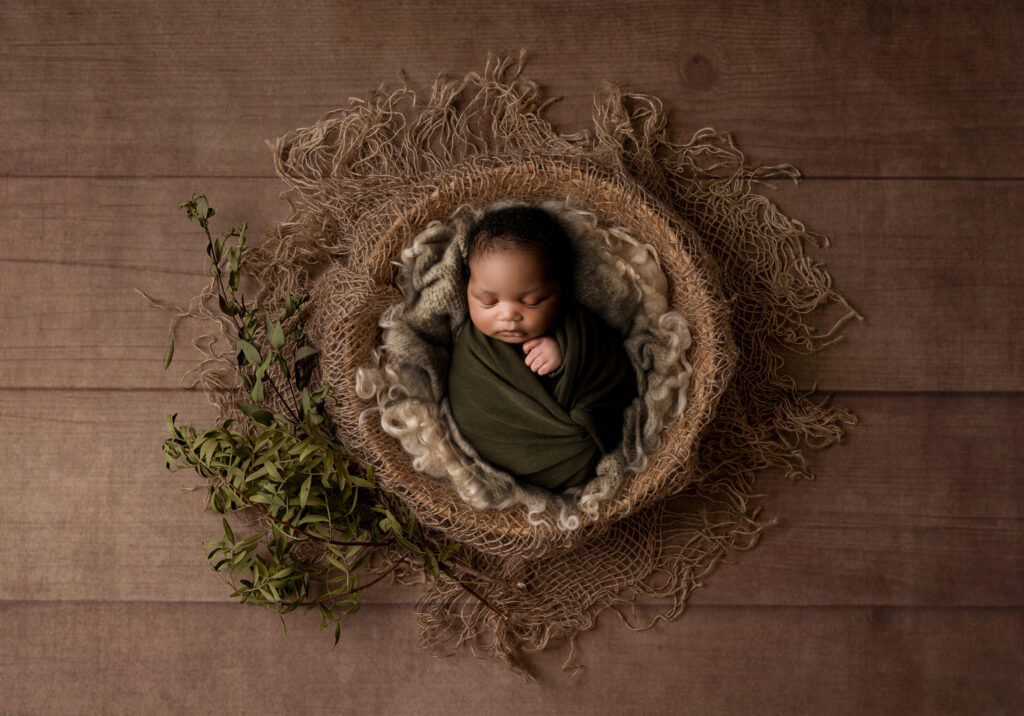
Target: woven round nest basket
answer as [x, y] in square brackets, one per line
[366, 286]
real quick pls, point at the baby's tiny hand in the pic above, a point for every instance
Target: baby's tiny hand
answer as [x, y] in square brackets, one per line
[543, 355]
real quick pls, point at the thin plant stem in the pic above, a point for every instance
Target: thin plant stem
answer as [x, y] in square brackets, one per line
[447, 570]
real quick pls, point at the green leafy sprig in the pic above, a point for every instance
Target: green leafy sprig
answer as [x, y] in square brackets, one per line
[322, 521]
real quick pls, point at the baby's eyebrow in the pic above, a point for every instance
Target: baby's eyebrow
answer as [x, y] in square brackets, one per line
[476, 291]
[536, 289]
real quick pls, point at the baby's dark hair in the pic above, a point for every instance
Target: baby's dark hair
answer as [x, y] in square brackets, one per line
[524, 228]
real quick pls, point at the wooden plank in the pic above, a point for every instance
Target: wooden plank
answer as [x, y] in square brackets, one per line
[91, 512]
[932, 265]
[934, 269]
[841, 89]
[128, 224]
[174, 658]
[72, 254]
[82, 327]
[922, 506]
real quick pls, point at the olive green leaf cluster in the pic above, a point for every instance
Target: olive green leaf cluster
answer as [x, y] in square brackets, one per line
[321, 523]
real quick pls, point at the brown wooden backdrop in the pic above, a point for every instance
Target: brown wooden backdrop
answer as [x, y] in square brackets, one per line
[893, 584]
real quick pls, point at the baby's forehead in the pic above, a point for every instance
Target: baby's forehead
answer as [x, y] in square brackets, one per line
[524, 256]
[510, 270]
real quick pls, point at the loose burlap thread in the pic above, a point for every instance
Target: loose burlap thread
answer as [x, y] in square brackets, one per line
[366, 179]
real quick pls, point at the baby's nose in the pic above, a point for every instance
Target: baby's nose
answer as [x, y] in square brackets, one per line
[509, 311]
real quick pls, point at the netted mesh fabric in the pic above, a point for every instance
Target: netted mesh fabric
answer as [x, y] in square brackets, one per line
[365, 180]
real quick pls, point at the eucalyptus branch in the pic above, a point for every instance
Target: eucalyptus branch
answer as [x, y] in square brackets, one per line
[290, 469]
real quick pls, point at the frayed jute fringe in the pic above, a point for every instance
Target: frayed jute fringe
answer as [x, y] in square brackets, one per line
[365, 180]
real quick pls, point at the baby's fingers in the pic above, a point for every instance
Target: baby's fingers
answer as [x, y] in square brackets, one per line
[535, 362]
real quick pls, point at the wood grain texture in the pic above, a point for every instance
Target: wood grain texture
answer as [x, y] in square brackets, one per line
[920, 504]
[933, 517]
[72, 257]
[841, 89]
[166, 658]
[932, 265]
[93, 514]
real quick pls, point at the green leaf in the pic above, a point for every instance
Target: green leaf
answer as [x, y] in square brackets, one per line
[227, 532]
[258, 415]
[249, 542]
[262, 369]
[360, 482]
[337, 632]
[273, 472]
[448, 550]
[251, 353]
[390, 523]
[169, 354]
[311, 519]
[304, 491]
[257, 390]
[229, 308]
[305, 352]
[276, 335]
[248, 323]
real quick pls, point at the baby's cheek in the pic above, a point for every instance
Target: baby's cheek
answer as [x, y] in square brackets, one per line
[477, 319]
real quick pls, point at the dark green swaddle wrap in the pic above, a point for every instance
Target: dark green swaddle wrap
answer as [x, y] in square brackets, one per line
[548, 431]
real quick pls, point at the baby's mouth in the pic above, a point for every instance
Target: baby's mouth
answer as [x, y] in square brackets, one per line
[512, 333]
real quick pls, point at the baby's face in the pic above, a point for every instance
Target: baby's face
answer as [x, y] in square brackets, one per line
[511, 295]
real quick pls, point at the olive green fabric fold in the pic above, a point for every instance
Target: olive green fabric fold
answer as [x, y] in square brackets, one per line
[548, 431]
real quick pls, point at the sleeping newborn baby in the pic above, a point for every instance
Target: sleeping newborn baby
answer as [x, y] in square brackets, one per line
[537, 382]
